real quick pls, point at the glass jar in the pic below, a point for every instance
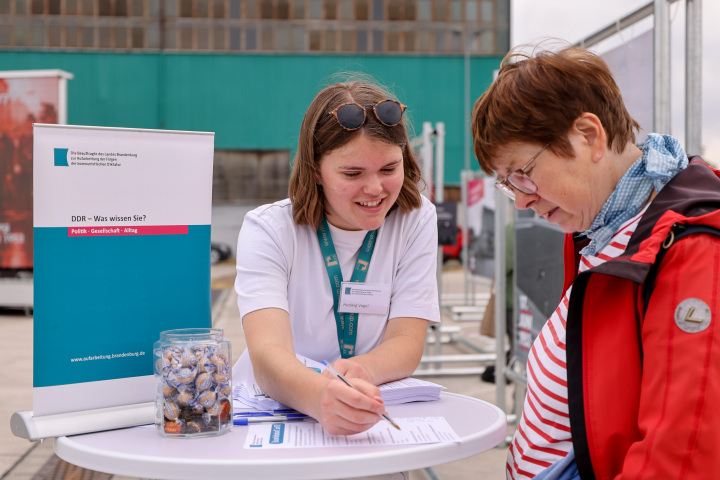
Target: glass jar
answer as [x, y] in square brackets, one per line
[192, 377]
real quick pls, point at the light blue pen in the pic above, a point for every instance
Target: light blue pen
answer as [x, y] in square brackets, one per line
[344, 380]
[271, 418]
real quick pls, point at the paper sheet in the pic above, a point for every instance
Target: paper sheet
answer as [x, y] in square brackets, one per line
[248, 392]
[414, 431]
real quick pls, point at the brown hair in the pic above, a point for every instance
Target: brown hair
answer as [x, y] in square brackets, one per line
[320, 133]
[537, 96]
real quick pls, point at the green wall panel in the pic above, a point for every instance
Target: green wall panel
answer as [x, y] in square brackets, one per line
[252, 101]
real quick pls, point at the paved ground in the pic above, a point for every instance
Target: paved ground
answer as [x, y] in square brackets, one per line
[21, 460]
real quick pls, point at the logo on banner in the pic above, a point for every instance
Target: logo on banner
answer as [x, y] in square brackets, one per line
[61, 157]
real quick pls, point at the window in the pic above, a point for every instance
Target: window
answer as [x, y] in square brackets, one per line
[471, 12]
[5, 35]
[440, 11]
[393, 10]
[218, 9]
[37, 36]
[70, 7]
[267, 41]
[71, 36]
[121, 38]
[54, 36]
[235, 9]
[154, 8]
[424, 10]
[299, 9]
[346, 41]
[315, 9]
[137, 8]
[282, 38]
[456, 11]
[251, 42]
[266, 9]
[314, 40]
[171, 8]
[330, 9]
[346, 10]
[456, 43]
[88, 37]
[121, 8]
[203, 38]
[362, 41]
[152, 37]
[88, 7]
[37, 7]
[171, 38]
[486, 41]
[361, 10]
[203, 9]
[138, 37]
[283, 9]
[377, 40]
[439, 42]
[424, 41]
[378, 10]
[409, 44]
[251, 10]
[186, 8]
[235, 34]
[487, 10]
[186, 37]
[393, 41]
[218, 34]
[105, 8]
[298, 41]
[410, 11]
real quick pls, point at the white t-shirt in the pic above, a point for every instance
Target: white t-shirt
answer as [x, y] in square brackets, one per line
[280, 265]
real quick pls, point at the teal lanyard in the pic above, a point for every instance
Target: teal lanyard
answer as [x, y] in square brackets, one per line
[346, 322]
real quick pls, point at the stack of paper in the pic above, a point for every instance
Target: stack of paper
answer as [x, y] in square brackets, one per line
[253, 396]
[409, 390]
[400, 391]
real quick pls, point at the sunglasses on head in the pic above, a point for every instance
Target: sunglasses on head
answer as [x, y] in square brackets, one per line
[352, 116]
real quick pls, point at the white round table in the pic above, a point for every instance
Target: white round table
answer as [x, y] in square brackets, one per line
[142, 452]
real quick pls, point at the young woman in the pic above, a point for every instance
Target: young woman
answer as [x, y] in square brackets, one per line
[355, 215]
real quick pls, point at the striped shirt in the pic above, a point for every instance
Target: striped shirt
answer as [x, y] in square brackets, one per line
[543, 434]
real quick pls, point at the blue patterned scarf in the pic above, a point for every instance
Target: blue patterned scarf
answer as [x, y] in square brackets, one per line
[662, 158]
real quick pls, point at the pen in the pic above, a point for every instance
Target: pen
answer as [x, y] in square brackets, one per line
[344, 380]
[273, 418]
[285, 410]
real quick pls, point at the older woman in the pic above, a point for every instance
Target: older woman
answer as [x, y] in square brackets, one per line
[624, 376]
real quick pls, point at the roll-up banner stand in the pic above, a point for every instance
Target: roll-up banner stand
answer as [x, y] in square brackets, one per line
[122, 252]
[26, 97]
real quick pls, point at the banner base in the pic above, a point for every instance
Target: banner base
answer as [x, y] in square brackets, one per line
[24, 425]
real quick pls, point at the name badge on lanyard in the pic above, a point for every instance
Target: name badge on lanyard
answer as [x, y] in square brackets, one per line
[346, 322]
[373, 298]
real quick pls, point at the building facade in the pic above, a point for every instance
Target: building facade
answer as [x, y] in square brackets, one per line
[247, 69]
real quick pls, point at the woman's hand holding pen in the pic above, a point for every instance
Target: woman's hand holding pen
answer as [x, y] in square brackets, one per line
[347, 411]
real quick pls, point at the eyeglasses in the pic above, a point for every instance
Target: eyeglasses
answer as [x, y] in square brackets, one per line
[352, 116]
[518, 180]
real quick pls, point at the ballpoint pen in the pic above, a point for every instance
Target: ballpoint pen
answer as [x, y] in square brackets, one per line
[271, 418]
[345, 381]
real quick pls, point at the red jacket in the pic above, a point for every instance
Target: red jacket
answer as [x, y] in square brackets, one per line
[643, 392]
